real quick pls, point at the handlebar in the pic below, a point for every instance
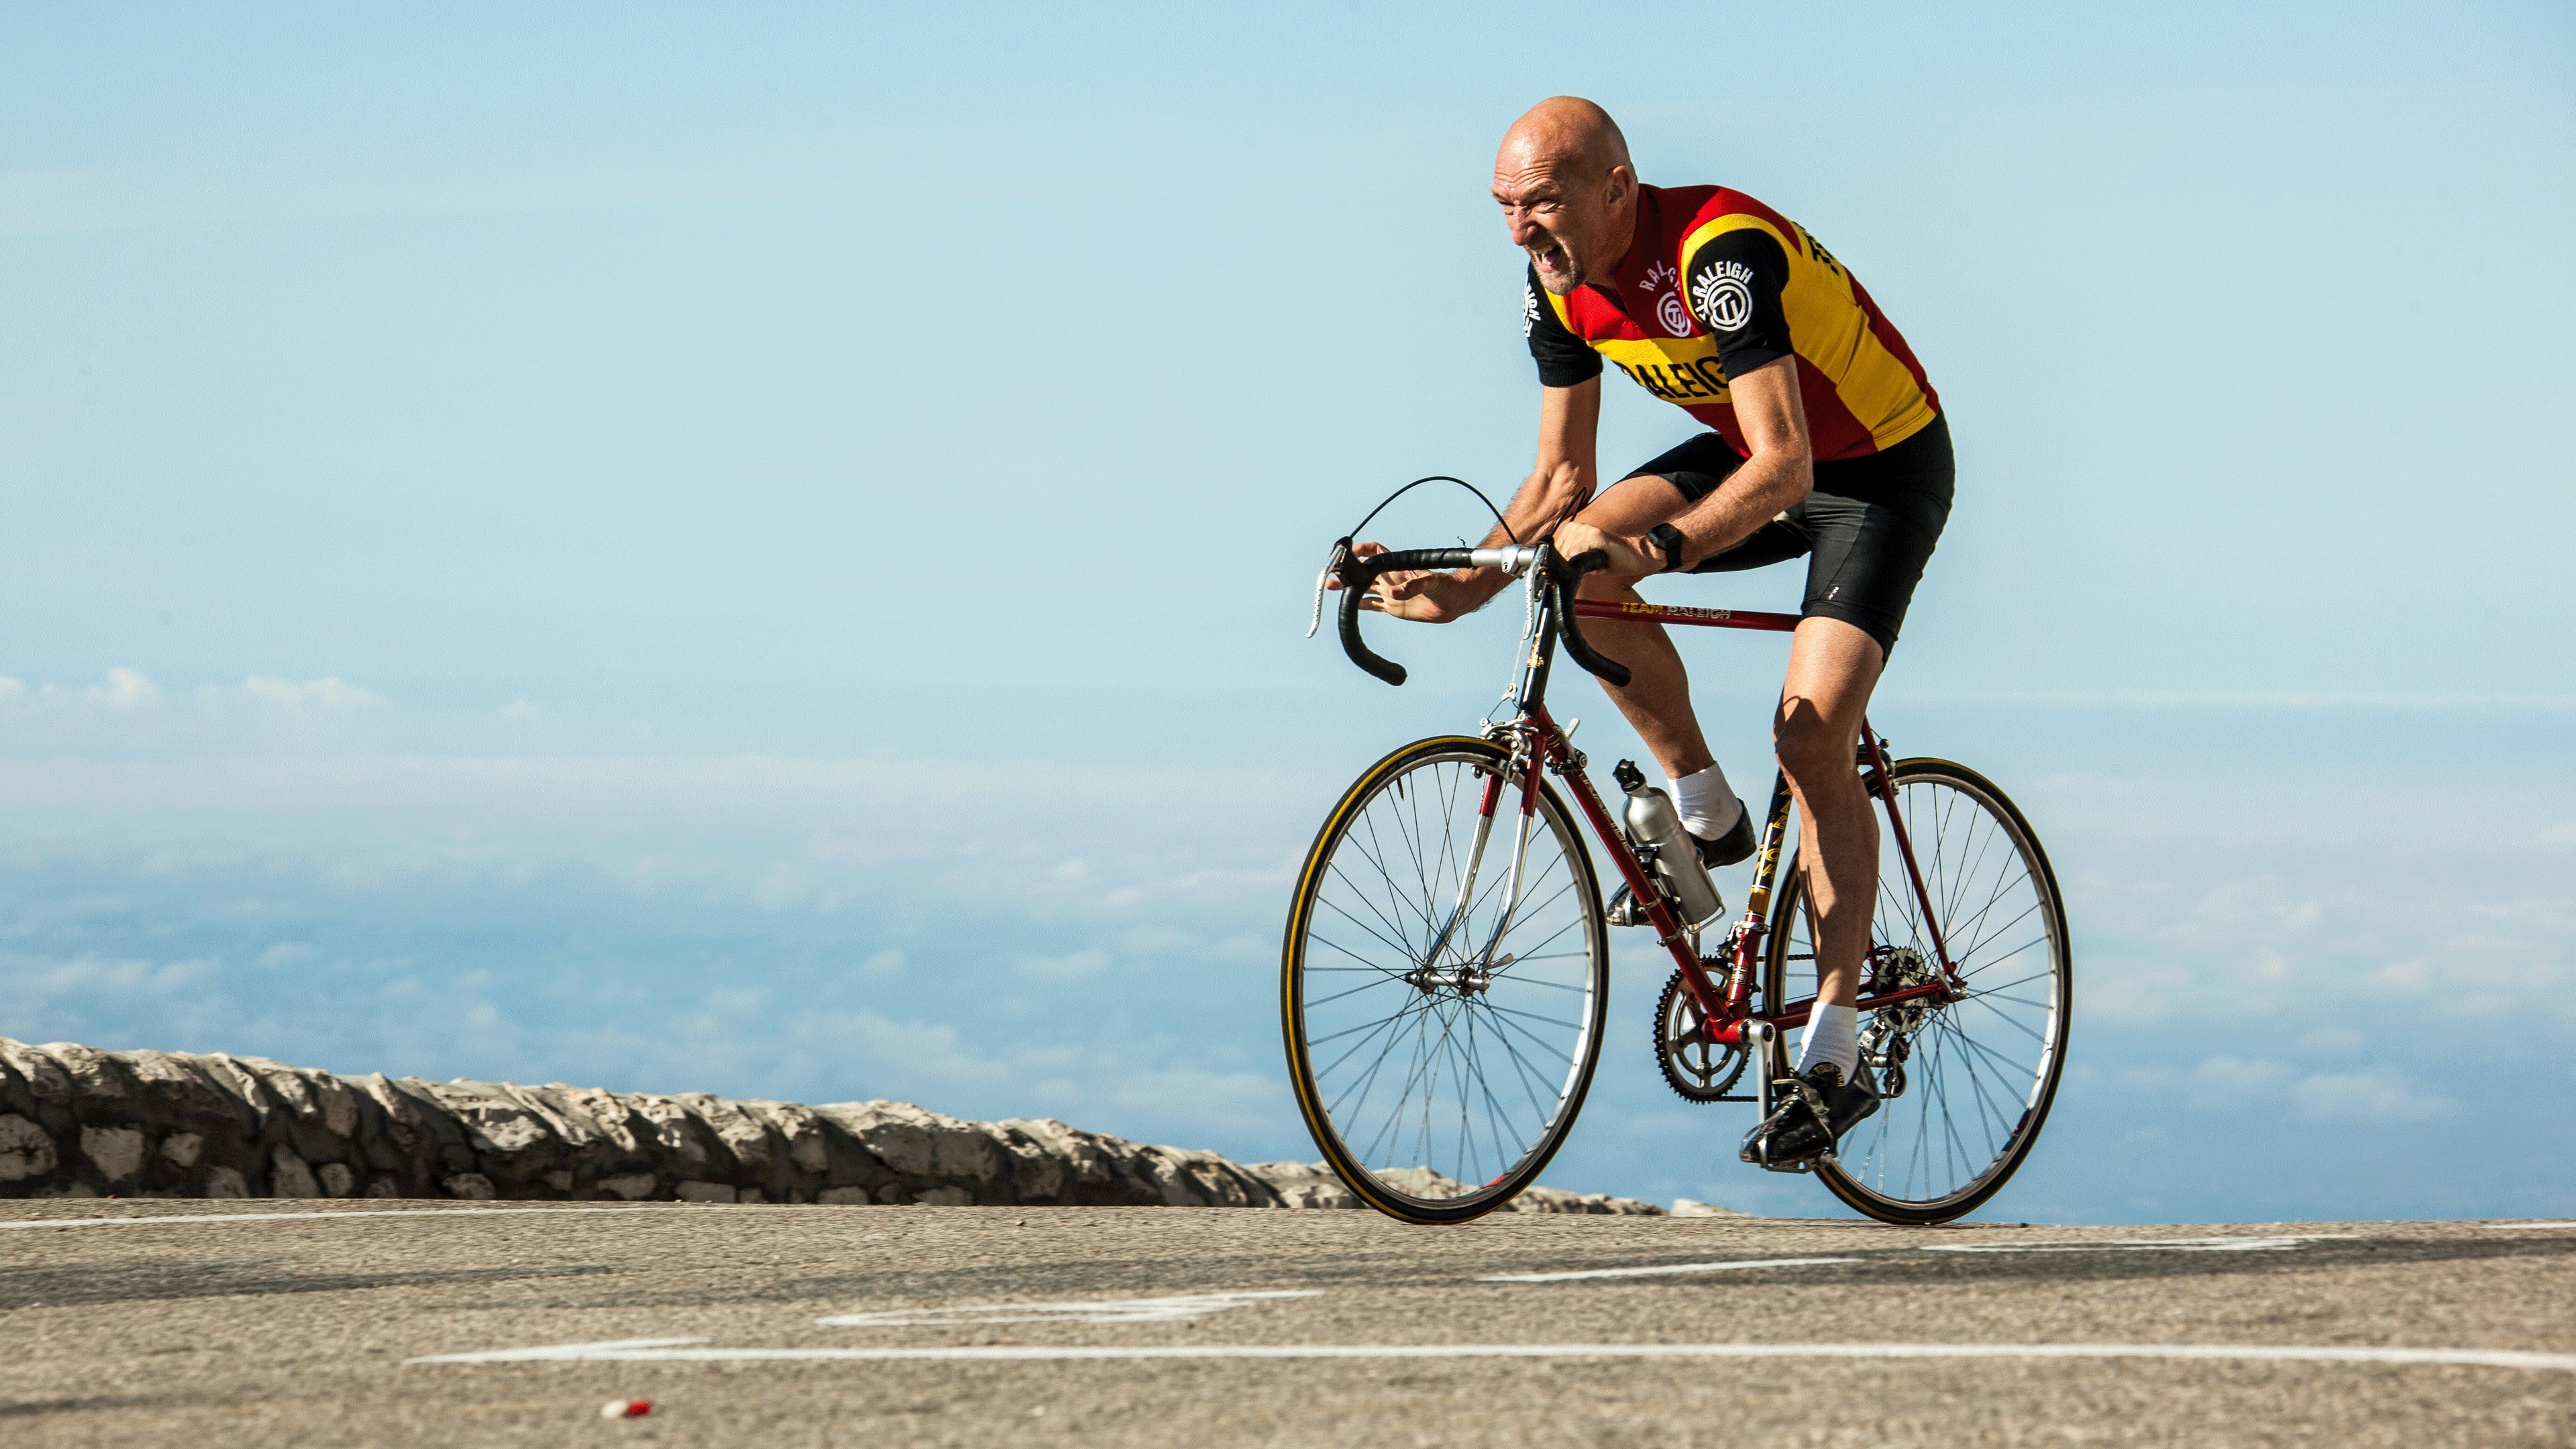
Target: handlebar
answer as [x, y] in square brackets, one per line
[1610, 671]
[1562, 574]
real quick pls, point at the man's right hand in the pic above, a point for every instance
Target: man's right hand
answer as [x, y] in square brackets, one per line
[1427, 596]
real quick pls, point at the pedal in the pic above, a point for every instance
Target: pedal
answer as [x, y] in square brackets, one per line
[1757, 1143]
[1756, 1154]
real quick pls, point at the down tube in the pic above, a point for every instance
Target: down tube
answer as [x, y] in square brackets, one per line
[1667, 926]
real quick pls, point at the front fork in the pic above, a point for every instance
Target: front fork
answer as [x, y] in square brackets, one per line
[1485, 810]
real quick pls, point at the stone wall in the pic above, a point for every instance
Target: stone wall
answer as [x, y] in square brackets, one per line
[76, 1122]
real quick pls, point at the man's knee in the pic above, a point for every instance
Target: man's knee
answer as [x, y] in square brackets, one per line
[1810, 745]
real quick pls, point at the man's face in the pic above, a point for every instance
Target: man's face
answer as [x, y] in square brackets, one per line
[1569, 223]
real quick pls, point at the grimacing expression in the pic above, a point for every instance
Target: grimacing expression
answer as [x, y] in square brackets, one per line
[1562, 223]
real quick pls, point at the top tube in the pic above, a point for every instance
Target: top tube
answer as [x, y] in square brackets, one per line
[1678, 614]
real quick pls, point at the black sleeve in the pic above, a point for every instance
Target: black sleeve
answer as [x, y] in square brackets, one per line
[1733, 282]
[1563, 360]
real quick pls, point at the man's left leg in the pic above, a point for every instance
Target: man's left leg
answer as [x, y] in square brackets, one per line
[1875, 522]
[1833, 666]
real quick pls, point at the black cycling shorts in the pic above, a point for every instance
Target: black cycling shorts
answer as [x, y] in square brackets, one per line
[1867, 528]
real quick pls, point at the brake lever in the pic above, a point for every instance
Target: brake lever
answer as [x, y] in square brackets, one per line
[1341, 550]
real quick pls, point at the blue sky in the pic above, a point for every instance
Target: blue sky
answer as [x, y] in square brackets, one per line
[654, 548]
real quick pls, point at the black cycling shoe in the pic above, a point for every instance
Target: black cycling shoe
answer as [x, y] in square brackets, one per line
[1792, 1134]
[1730, 847]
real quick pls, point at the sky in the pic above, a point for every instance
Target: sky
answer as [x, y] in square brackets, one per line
[671, 549]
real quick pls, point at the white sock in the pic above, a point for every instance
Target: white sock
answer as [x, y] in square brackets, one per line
[1707, 803]
[1833, 1035]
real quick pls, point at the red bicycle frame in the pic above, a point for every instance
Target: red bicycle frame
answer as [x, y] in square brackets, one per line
[1726, 1006]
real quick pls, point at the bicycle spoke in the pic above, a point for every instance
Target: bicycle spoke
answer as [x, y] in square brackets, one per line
[1365, 963]
[1394, 929]
[1395, 1023]
[1534, 1038]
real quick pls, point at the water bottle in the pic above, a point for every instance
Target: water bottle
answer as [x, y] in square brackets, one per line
[1653, 821]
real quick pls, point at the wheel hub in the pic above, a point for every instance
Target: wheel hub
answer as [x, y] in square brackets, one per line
[1467, 978]
[1902, 968]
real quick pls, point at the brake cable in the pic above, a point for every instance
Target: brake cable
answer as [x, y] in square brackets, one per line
[1342, 545]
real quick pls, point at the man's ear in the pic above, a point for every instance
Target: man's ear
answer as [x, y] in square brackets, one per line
[1623, 184]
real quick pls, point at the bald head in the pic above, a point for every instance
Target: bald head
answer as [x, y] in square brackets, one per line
[1567, 191]
[1566, 133]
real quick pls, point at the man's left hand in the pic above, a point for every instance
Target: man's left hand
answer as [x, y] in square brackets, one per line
[1630, 558]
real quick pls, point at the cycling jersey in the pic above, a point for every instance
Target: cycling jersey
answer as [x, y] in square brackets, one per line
[1715, 284]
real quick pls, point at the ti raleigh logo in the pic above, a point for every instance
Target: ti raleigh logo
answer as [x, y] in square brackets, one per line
[1724, 292]
[1529, 307]
[1665, 278]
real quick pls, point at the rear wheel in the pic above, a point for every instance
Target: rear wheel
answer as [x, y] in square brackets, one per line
[1966, 1082]
[1443, 1020]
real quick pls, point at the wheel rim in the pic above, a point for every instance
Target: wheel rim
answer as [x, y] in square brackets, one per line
[1977, 1072]
[1446, 1051]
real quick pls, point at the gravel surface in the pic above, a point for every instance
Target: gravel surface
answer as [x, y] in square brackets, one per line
[413, 1323]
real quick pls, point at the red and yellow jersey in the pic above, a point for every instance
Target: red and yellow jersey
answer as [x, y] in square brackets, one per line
[1715, 284]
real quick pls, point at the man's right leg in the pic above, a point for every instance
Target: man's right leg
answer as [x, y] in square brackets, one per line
[1656, 699]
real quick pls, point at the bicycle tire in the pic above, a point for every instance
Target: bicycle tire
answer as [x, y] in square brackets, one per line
[1881, 1146]
[1345, 1109]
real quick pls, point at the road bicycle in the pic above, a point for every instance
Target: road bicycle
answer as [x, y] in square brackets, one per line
[1444, 988]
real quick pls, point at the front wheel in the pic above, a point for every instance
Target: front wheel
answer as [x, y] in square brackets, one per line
[1966, 1082]
[1443, 984]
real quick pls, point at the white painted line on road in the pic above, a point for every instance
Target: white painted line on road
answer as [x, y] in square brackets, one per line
[156, 1222]
[2147, 1245]
[1728, 1267]
[678, 1350]
[2510, 1226]
[1175, 1309]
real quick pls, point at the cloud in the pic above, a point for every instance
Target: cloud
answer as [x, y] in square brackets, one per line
[126, 689]
[35, 981]
[2223, 1082]
[2374, 1096]
[122, 689]
[2414, 974]
[130, 692]
[328, 692]
[2233, 1073]
[1066, 968]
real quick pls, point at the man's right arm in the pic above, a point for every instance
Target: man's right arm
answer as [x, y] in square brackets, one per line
[1569, 422]
[1562, 481]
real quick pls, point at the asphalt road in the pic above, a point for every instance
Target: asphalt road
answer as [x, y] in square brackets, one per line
[207, 1324]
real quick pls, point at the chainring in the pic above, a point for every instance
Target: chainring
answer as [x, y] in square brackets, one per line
[1696, 1068]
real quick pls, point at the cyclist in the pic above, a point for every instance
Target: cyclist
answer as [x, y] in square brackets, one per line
[1825, 439]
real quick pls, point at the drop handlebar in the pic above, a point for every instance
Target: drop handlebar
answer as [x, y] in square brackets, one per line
[1562, 574]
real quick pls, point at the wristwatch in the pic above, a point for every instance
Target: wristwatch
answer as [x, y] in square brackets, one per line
[1668, 539]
